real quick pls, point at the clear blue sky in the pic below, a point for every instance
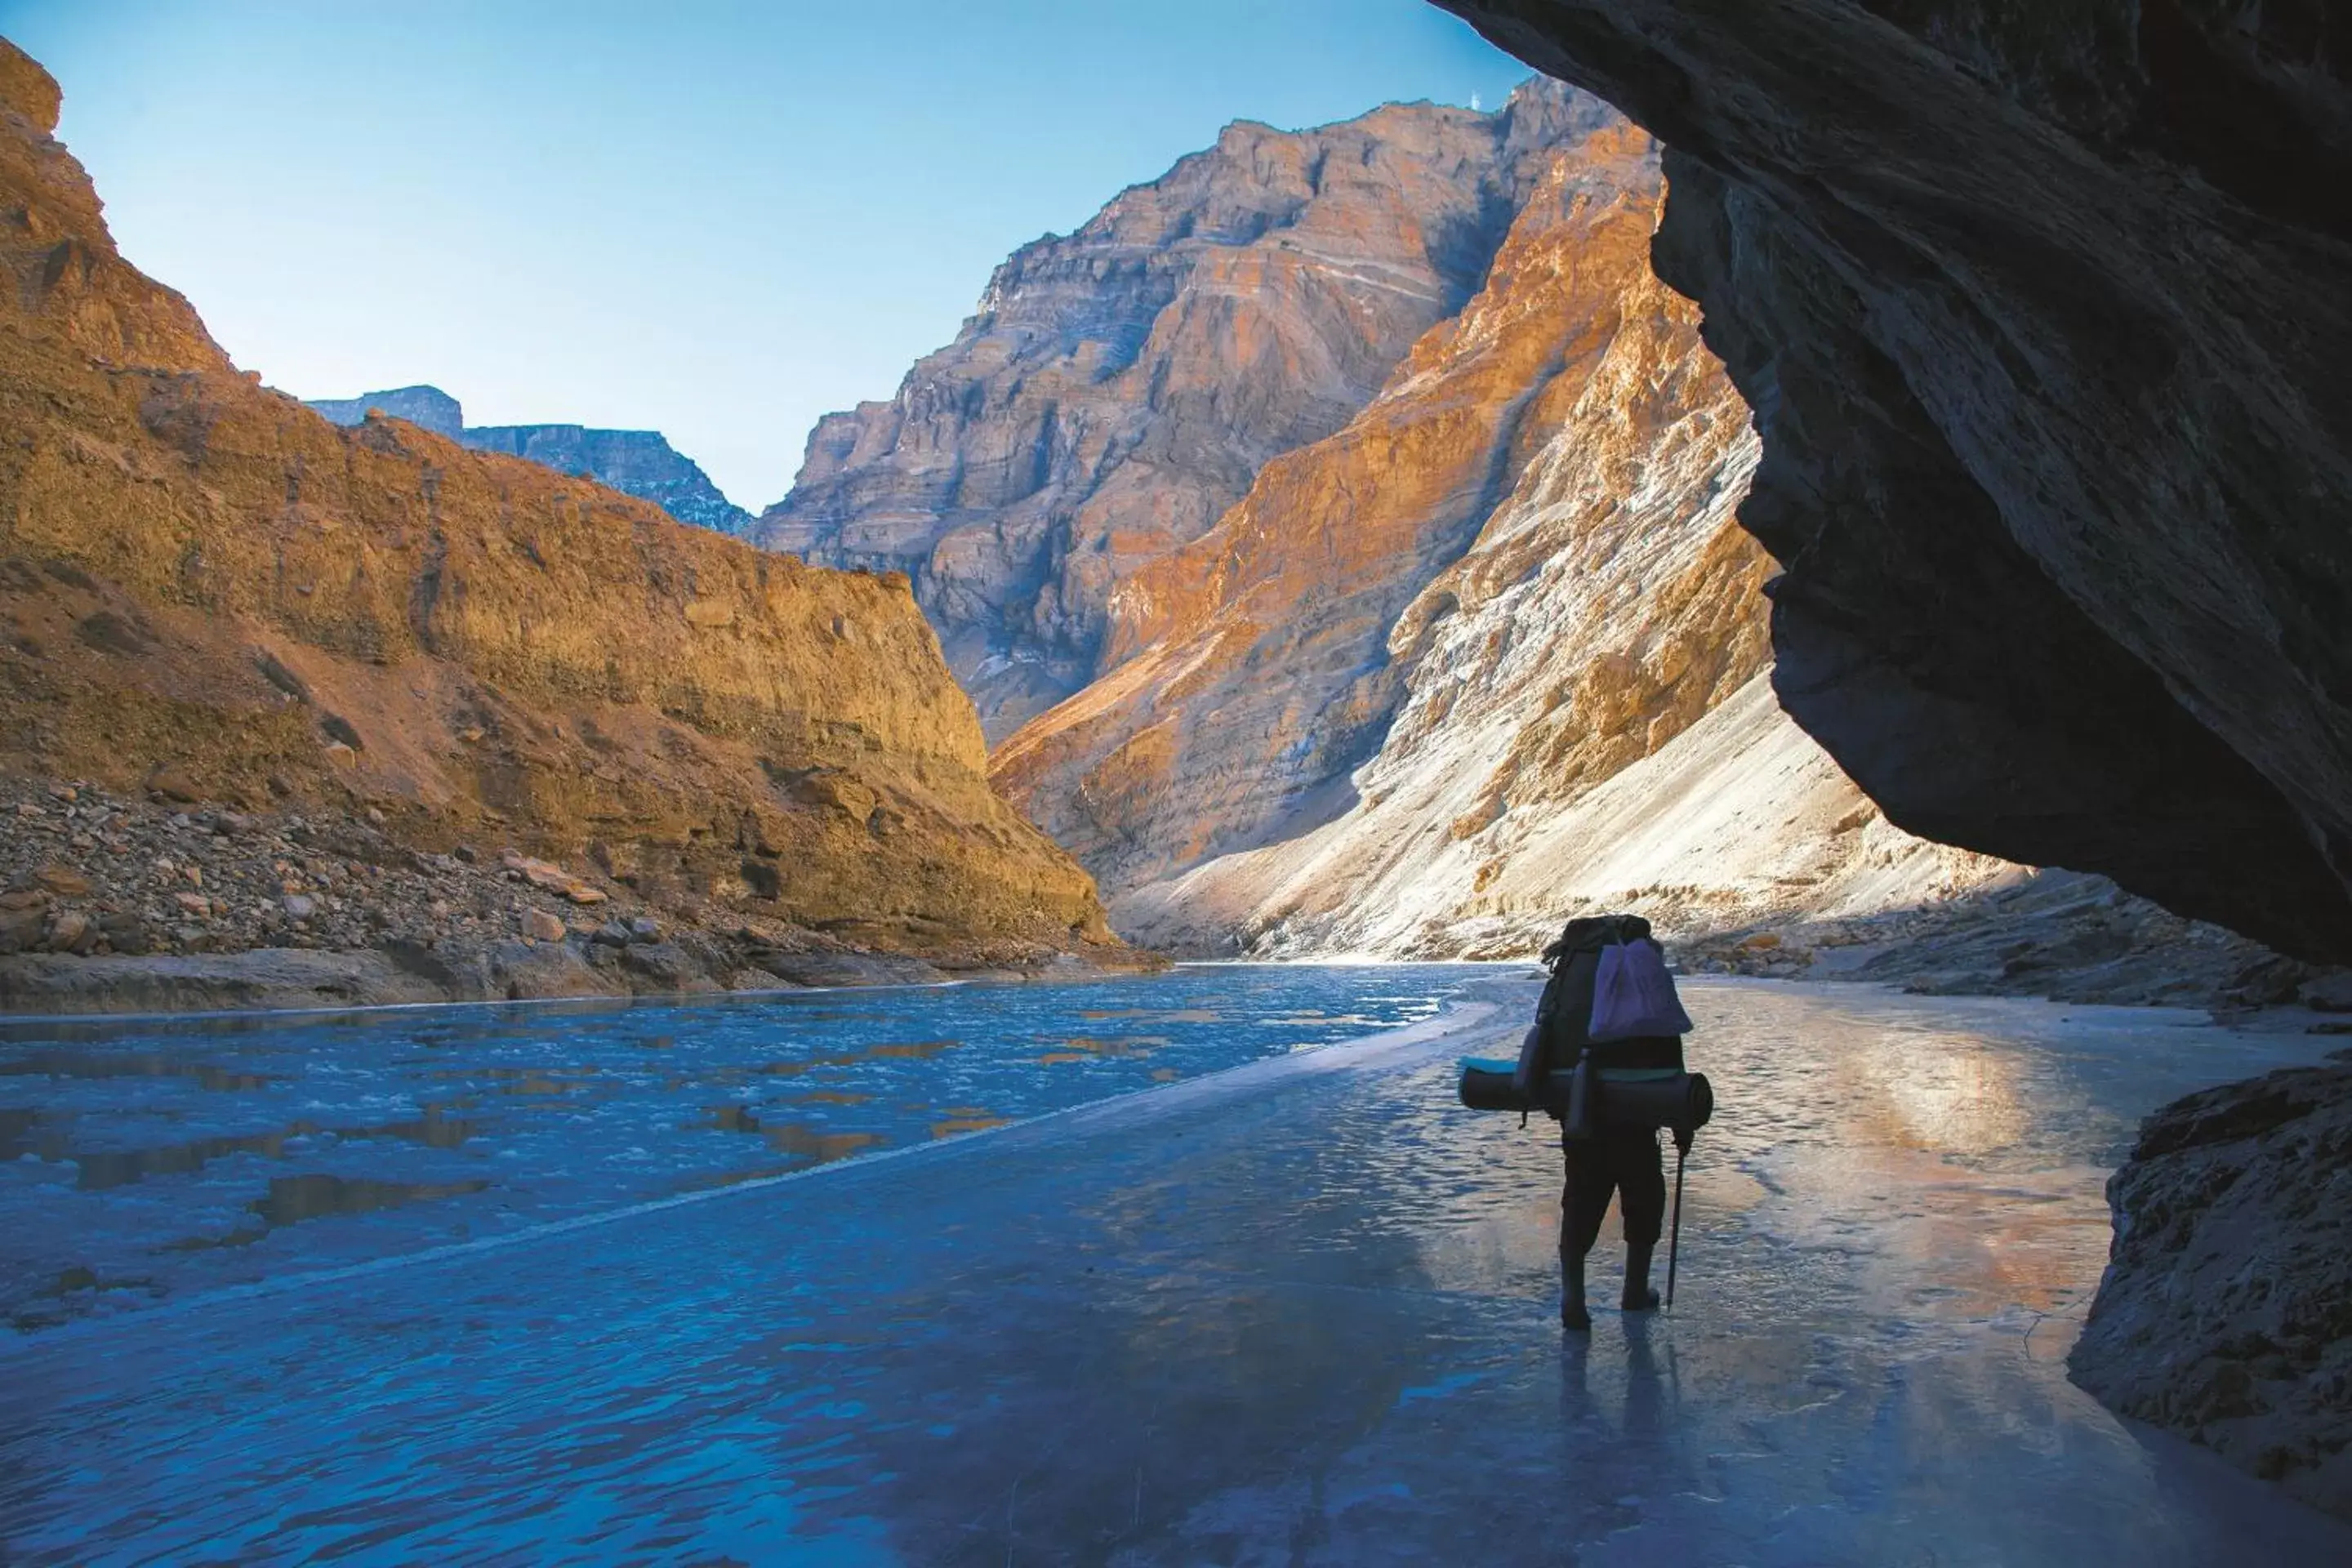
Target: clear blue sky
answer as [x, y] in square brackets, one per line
[715, 220]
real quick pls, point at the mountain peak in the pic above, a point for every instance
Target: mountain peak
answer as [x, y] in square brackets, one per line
[1118, 388]
[427, 407]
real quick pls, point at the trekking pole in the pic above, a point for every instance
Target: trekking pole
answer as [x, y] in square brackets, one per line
[1674, 1243]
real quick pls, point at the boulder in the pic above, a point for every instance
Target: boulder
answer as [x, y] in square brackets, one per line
[2329, 992]
[550, 969]
[2226, 1309]
[845, 968]
[70, 930]
[661, 966]
[63, 880]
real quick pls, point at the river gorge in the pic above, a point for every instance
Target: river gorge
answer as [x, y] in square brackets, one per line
[553, 1016]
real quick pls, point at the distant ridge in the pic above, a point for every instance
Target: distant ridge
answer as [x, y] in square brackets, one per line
[641, 463]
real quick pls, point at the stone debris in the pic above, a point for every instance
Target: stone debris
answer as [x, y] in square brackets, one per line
[167, 909]
[2065, 935]
[552, 878]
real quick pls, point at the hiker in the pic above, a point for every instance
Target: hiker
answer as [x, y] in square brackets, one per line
[1604, 1059]
[1602, 1158]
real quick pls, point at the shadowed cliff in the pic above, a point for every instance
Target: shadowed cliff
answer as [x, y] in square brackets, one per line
[2045, 316]
[2045, 313]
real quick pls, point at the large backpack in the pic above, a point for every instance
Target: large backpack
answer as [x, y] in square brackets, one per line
[1563, 1032]
[1631, 1081]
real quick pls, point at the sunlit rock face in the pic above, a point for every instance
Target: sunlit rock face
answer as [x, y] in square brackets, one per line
[640, 463]
[1120, 388]
[202, 576]
[2045, 314]
[1493, 651]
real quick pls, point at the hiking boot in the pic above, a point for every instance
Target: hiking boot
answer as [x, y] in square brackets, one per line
[1638, 1296]
[1572, 1315]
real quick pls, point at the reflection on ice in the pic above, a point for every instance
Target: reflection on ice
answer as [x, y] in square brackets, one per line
[293, 1199]
[129, 1064]
[1302, 1313]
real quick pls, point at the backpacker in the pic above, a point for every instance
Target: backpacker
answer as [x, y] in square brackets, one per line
[1585, 1079]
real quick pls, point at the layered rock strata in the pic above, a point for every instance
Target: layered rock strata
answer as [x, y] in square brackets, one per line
[2046, 321]
[640, 463]
[210, 593]
[1492, 653]
[1120, 389]
[2045, 313]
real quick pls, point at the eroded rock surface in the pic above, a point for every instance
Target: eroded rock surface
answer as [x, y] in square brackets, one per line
[1492, 652]
[2045, 314]
[1120, 387]
[1256, 666]
[2226, 1310]
[210, 595]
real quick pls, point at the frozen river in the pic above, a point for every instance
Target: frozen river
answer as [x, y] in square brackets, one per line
[765, 1291]
[142, 1161]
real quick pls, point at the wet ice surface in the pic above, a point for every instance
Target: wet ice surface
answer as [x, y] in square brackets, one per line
[141, 1160]
[1300, 1312]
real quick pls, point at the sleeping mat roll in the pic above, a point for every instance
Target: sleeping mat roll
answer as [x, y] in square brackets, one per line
[1684, 1100]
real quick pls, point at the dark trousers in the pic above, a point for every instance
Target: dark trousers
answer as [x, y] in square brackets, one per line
[1622, 1160]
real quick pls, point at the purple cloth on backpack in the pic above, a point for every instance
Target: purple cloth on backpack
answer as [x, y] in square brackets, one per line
[1632, 995]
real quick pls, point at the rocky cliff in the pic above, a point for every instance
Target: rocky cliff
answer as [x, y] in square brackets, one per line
[1493, 651]
[212, 593]
[2045, 314]
[640, 463]
[2057, 429]
[427, 407]
[1120, 389]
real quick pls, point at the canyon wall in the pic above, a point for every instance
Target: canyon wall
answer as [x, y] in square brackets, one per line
[1491, 653]
[208, 590]
[2046, 322]
[2046, 316]
[640, 463]
[1120, 389]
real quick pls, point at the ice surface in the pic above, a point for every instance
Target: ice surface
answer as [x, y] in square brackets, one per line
[1298, 1313]
[141, 1160]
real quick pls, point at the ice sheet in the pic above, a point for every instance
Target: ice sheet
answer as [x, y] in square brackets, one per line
[1302, 1313]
